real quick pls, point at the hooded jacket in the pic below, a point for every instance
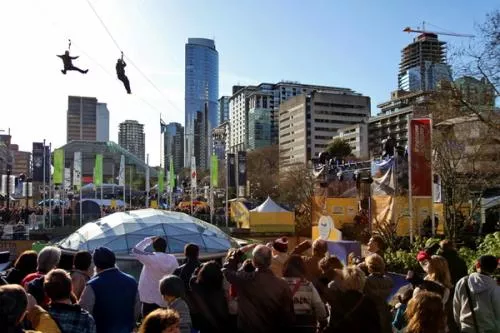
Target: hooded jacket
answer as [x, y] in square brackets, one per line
[485, 296]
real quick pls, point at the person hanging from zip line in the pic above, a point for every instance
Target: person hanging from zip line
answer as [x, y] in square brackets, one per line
[120, 72]
[68, 62]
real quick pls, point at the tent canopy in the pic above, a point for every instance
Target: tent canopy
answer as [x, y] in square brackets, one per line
[269, 206]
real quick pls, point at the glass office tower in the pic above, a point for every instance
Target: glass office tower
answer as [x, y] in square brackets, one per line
[201, 100]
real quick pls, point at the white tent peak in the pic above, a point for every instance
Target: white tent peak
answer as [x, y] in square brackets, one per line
[269, 206]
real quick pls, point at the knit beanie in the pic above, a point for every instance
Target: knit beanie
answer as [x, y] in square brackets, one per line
[422, 255]
[104, 258]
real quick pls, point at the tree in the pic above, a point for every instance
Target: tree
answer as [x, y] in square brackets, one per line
[339, 148]
[297, 184]
[465, 155]
[480, 60]
[263, 172]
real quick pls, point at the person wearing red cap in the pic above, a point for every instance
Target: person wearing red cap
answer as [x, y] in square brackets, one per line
[280, 255]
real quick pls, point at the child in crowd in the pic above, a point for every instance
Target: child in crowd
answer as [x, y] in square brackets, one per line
[173, 291]
[161, 320]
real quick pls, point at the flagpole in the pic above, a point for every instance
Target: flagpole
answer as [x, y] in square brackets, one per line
[44, 185]
[147, 181]
[63, 188]
[130, 190]
[50, 186]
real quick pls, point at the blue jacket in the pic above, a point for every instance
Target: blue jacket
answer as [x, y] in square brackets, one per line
[115, 296]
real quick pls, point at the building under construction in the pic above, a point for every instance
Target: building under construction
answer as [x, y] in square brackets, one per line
[423, 64]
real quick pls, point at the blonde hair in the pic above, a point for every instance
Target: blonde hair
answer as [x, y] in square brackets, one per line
[425, 313]
[375, 263]
[439, 271]
[353, 278]
[159, 320]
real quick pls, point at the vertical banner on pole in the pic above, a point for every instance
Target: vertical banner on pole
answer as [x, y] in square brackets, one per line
[58, 166]
[171, 175]
[77, 170]
[98, 170]
[121, 172]
[242, 173]
[148, 186]
[161, 183]
[421, 150]
[214, 171]
[67, 179]
[193, 173]
[231, 170]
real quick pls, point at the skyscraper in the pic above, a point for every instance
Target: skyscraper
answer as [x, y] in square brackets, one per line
[131, 137]
[102, 122]
[174, 146]
[423, 64]
[201, 99]
[87, 119]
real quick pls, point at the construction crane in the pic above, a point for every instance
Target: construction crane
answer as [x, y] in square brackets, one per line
[423, 31]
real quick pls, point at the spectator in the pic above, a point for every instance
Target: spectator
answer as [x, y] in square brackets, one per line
[331, 270]
[70, 318]
[155, 265]
[425, 314]
[210, 299]
[319, 249]
[279, 252]
[111, 296]
[161, 321]
[48, 258]
[353, 312]
[186, 270]
[265, 301]
[25, 264]
[308, 306]
[81, 272]
[399, 321]
[13, 306]
[172, 290]
[378, 288]
[457, 266]
[438, 278]
[377, 245]
[476, 303]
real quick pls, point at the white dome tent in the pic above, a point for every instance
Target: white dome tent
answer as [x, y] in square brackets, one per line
[121, 231]
[269, 206]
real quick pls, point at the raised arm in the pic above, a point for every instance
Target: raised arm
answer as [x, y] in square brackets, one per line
[73, 58]
[139, 251]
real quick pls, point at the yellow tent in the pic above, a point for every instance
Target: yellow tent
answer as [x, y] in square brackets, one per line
[268, 217]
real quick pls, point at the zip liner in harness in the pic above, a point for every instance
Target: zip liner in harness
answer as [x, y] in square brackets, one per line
[120, 72]
[68, 62]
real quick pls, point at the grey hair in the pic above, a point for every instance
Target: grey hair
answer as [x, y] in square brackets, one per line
[262, 256]
[48, 258]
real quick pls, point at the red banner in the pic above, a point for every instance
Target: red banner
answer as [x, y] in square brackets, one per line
[420, 150]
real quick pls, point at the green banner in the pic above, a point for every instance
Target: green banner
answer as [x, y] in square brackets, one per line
[161, 182]
[214, 171]
[98, 170]
[58, 175]
[171, 174]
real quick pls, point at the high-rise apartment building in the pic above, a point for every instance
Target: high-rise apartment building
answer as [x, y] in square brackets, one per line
[223, 109]
[87, 119]
[257, 108]
[392, 121]
[174, 146]
[423, 64]
[131, 137]
[309, 121]
[201, 100]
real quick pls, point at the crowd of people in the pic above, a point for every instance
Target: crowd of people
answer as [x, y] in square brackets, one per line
[258, 288]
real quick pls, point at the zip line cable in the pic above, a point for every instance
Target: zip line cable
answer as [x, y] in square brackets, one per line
[128, 58]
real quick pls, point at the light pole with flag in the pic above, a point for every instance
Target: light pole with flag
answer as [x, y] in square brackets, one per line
[193, 180]
[121, 179]
[77, 179]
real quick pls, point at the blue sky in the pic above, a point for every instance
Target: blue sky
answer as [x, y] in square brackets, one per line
[353, 44]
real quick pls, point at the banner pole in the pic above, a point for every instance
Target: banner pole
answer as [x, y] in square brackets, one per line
[410, 194]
